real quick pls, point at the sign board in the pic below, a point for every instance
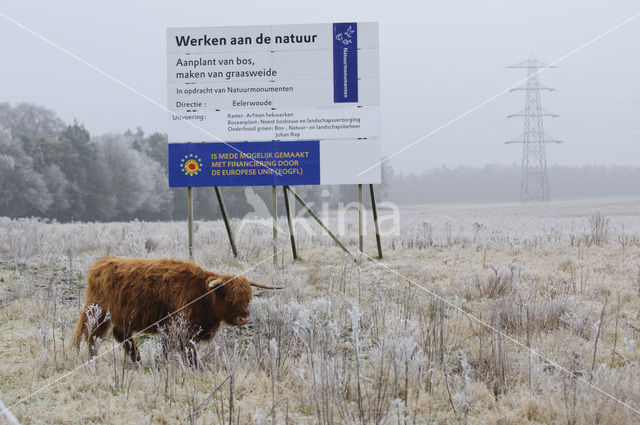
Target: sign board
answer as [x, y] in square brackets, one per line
[273, 105]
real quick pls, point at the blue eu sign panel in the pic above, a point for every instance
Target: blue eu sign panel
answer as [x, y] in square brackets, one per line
[244, 164]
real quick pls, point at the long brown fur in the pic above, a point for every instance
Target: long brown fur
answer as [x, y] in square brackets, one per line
[139, 294]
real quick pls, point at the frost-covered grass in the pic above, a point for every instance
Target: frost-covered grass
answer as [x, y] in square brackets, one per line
[347, 342]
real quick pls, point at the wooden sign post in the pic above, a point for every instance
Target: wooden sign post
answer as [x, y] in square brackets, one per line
[190, 220]
[275, 224]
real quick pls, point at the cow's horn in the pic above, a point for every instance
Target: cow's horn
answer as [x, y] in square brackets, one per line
[259, 285]
[215, 282]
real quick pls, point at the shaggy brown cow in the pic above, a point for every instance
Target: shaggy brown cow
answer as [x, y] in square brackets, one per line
[140, 295]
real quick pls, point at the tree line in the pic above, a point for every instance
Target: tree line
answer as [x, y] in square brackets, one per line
[52, 169]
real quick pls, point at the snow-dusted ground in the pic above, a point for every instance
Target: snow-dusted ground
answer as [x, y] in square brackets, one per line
[345, 341]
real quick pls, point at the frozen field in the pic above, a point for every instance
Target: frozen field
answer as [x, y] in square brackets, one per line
[349, 342]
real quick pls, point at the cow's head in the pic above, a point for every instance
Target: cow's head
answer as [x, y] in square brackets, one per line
[231, 297]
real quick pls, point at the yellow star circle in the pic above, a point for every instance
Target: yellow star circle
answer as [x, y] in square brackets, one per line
[191, 165]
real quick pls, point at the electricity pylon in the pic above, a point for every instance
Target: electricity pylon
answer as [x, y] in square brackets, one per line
[534, 183]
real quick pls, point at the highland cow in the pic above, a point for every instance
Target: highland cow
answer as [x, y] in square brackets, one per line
[141, 295]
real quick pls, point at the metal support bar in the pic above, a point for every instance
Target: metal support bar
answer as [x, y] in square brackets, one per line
[317, 219]
[225, 218]
[190, 220]
[291, 228]
[375, 221]
[360, 220]
[275, 224]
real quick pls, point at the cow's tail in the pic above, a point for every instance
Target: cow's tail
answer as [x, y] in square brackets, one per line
[80, 330]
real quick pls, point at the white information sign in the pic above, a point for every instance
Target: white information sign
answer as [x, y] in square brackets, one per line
[317, 84]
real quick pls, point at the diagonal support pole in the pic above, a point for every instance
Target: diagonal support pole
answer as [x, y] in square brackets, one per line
[375, 221]
[317, 219]
[225, 218]
[291, 228]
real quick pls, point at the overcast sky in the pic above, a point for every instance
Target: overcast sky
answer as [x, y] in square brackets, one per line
[438, 59]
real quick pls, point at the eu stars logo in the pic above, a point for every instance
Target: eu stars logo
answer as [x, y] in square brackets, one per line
[191, 165]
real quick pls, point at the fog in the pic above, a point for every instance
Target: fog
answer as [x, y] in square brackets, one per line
[438, 60]
[501, 183]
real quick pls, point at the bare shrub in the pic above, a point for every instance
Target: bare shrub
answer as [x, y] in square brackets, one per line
[151, 244]
[273, 322]
[433, 331]
[599, 228]
[326, 378]
[519, 314]
[578, 322]
[500, 372]
[421, 237]
[177, 336]
[496, 283]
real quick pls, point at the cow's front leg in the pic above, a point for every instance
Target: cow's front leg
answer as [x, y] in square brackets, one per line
[127, 343]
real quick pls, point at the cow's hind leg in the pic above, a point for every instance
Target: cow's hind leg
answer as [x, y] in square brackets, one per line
[97, 333]
[127, 343]
[80, 330]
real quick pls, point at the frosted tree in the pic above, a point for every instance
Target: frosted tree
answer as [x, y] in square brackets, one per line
[23, 191]
[34, 122]
[137, 182]
[77, 157]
